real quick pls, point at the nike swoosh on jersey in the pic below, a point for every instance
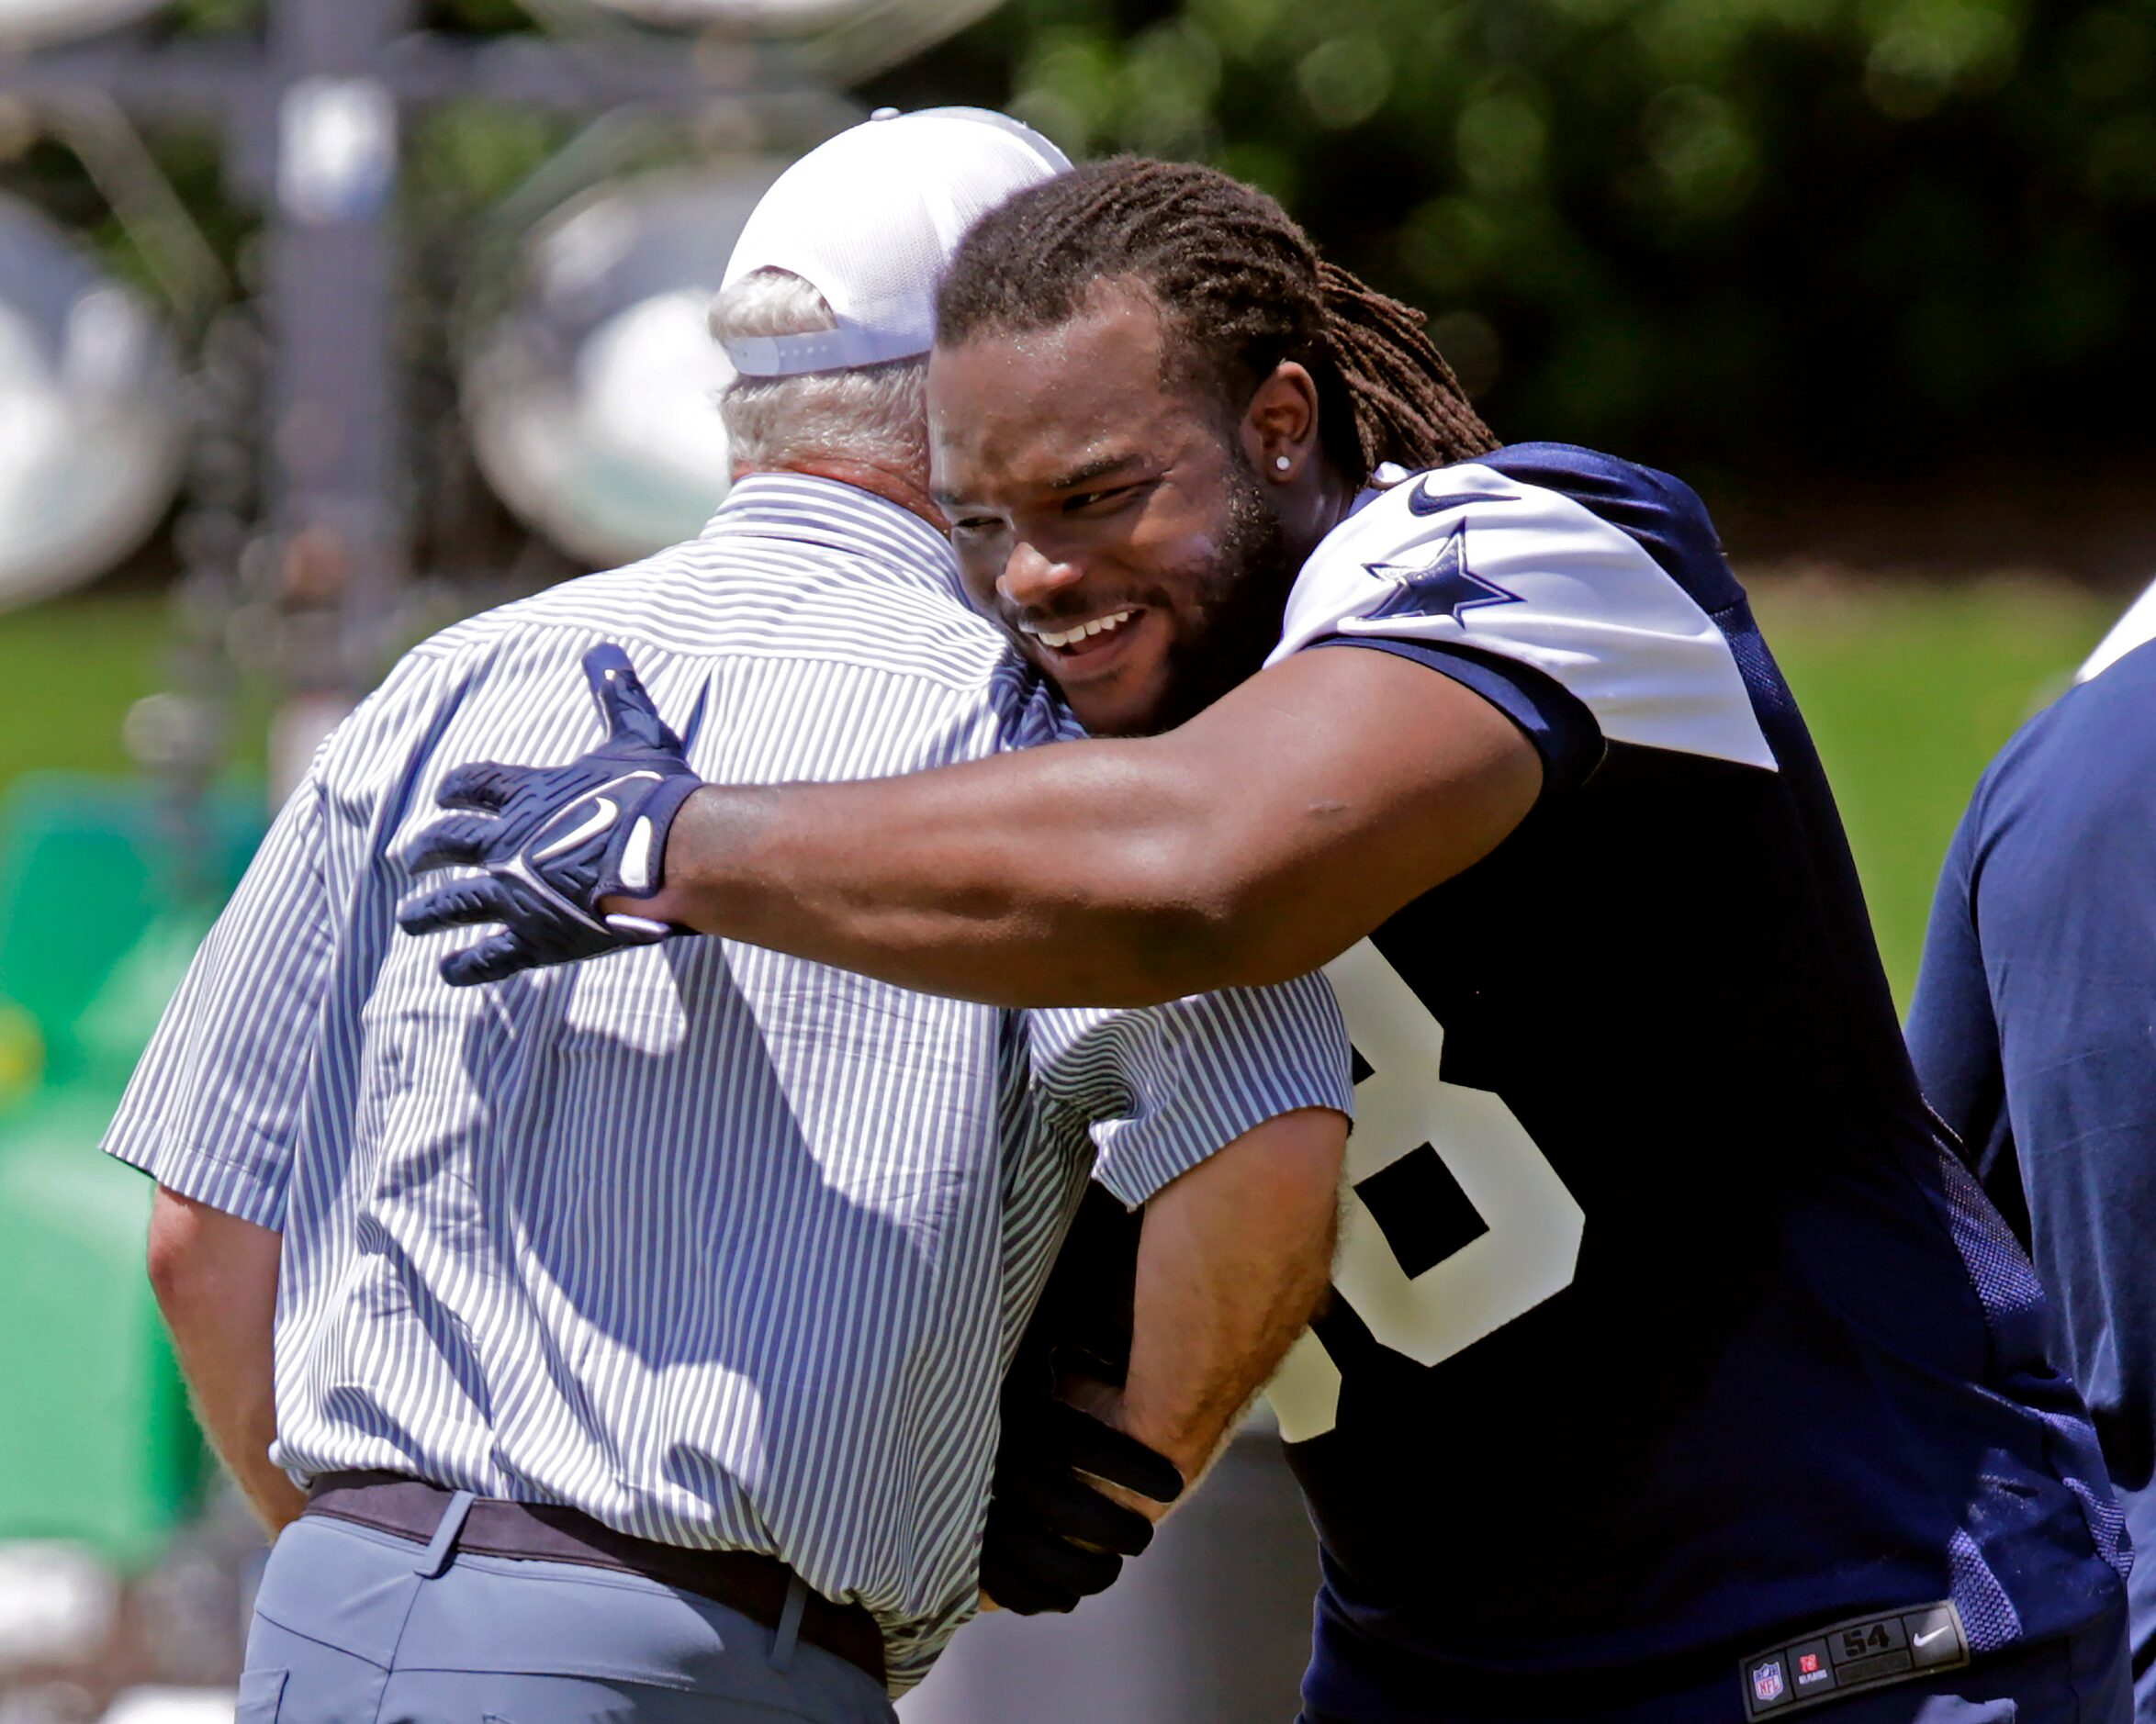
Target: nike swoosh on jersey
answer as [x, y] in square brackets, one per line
[1426, 502]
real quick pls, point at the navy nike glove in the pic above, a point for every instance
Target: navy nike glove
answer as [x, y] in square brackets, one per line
[1051, 1537]
[554, 841]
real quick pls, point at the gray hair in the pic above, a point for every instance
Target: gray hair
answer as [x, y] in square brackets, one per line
[872, 413]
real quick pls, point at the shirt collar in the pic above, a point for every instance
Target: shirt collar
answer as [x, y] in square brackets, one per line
[814, 510]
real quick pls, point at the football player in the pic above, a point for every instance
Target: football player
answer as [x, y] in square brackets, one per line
[2030, 1029]
[1677, 1370]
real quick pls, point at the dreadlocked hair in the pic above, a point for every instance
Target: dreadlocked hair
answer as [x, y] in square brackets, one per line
[1240, 288]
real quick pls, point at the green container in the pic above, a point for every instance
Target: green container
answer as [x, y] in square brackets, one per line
[98, 916]
[97, 1444]
[88, 866]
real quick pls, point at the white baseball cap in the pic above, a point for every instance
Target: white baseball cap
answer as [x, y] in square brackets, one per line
[870, 218]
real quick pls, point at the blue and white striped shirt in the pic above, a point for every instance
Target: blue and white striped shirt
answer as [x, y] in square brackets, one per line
[723, 1247]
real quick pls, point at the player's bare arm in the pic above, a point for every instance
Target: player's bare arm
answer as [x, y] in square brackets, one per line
[1256, 841]
[216, 1280]
[1232, 1262]
[1250, 845]
[1232, 1259]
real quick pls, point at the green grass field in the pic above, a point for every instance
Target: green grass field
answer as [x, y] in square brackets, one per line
[72, 667]
[1909, 691]
[1908, 688]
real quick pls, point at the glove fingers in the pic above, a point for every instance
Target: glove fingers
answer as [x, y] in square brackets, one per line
[484, 786]
[624, 707]
[1022, 1594]
[1069, 1508]
[1084, 1573]
[1020, 1544]
[1089, 1445]
[458, 840]
[459, 904]
[497, 956]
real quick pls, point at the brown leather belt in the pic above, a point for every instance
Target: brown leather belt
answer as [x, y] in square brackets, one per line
[754, 1585]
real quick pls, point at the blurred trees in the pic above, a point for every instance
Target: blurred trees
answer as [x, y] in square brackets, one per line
[1742, 234]
[1758, 231]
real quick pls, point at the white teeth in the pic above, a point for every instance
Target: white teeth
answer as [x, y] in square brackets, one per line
[1084, 631]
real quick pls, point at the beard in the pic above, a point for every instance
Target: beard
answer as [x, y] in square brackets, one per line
[1236, 600]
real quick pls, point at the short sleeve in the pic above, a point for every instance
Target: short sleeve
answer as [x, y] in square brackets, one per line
[1165, 1087]
[1953, 1030]
[213, 1108]
[1563, 731]
[1586, 625]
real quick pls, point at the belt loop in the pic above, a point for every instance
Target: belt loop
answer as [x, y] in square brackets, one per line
[782, 1642]
[438, 1553]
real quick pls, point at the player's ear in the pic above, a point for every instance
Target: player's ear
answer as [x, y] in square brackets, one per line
[1280, 425]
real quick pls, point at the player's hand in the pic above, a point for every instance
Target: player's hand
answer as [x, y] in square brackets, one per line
[554, 840]
[1053, 1537]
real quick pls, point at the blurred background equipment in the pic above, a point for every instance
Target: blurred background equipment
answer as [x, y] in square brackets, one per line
[25, 24]
[769, 17]
[91, 440]
[843, 41]
[592, 400]
[774, 18]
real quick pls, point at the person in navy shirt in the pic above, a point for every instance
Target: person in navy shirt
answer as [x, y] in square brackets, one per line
[1677, 1369]
[2034, 1030]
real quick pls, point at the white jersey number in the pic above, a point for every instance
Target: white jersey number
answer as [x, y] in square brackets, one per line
[1529, 1251]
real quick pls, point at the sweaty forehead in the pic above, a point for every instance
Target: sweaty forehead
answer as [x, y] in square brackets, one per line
[1029, 408]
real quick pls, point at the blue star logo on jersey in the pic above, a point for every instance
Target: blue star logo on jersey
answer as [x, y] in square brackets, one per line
[1442, 587]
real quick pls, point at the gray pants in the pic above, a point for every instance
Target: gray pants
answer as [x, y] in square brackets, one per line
[357, 1626]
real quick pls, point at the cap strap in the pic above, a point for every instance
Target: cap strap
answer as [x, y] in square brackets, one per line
[820, 350]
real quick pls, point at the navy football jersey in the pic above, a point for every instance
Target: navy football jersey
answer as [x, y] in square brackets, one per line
[1666, 1326]
[2033, 1039]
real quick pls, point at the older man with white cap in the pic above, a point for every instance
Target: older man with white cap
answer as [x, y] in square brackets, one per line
[638, 1326]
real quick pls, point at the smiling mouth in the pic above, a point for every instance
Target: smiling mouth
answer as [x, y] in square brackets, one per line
[1078, 638]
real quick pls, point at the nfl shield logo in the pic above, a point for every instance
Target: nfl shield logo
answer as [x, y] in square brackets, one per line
[1767, 1681]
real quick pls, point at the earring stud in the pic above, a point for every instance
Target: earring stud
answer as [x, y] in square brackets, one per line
[1281, 463]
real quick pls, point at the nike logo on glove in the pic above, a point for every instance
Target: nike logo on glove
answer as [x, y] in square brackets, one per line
[553, 842]
[605, 816]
